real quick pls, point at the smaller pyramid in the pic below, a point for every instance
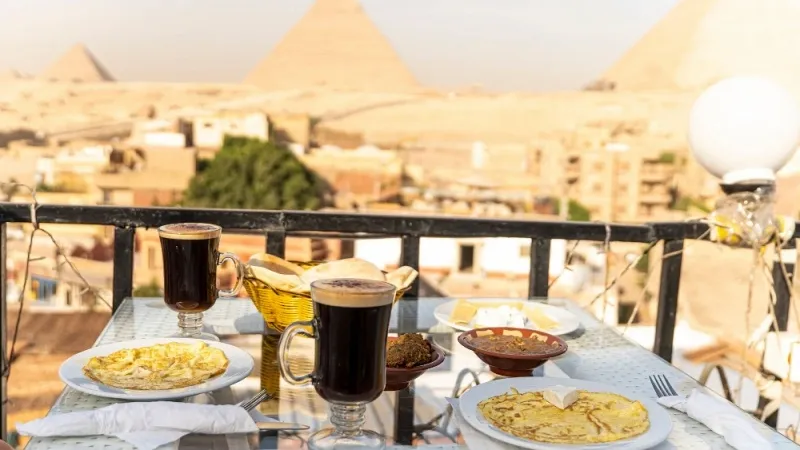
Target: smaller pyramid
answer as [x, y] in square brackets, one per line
[10, 75]
[77, 65]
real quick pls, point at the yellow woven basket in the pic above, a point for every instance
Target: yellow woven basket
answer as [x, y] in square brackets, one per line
[270, 373]
[280, 308]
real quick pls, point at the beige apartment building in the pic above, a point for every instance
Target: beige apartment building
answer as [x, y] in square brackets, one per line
[617, 186]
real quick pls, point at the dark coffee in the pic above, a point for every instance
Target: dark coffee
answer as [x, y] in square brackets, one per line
[190, 254]
[352, 322]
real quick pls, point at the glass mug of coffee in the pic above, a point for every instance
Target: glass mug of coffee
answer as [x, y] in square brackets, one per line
[350, 327]
[191, 257]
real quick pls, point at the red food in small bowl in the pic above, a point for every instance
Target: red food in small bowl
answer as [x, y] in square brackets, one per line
[398, 378]
[513, 361]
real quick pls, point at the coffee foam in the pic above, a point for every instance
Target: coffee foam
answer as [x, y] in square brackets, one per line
[352, 292]
[189, 231]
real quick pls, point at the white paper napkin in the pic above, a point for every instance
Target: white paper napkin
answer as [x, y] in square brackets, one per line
[718, 416]
[146, 425]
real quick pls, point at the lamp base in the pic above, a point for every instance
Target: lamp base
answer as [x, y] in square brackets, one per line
[766, 186]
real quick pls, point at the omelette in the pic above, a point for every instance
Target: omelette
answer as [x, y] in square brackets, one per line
[595, 417]
[158, 367]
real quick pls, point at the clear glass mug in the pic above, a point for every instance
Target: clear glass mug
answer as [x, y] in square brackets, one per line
[191, 256]
[350, 328]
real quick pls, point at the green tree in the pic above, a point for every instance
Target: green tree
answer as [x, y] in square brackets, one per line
[686, 203]
[575, 210]
[151, 289]
[253, 174]
[667, 157]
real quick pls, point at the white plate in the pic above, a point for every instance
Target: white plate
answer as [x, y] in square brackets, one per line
[240, 364]
[567, 322]
[660, 421]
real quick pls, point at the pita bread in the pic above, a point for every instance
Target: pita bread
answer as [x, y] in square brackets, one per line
[275, 264]
[284, 282]
[343, 268]
[402, 277]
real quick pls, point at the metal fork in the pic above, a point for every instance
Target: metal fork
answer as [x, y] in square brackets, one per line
[662, 386]
[255, 400]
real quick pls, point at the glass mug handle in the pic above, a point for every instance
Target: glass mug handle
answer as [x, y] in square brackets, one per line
[283, 351]
[239, 274]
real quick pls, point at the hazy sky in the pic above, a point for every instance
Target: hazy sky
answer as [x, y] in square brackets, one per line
[502, 44]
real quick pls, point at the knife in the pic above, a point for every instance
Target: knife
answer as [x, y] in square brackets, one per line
[276, 426]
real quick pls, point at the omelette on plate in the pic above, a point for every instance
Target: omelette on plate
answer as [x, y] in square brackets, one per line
[595, 417]
[158, 367]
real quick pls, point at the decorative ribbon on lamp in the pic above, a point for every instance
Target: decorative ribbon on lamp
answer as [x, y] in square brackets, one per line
[743, 130]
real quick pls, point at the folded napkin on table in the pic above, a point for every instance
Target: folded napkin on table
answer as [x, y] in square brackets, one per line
[146, 425]
[721, 418]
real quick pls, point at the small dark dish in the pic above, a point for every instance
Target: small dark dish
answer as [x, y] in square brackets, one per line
[398, 378]
[510, 364]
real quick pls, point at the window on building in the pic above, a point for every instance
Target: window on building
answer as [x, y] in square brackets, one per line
[466, 257]
[525, 251]
[68, 298]
[599, 165]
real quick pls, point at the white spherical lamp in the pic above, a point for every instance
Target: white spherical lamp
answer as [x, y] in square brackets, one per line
[744, 129]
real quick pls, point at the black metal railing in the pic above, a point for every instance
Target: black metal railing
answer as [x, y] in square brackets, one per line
[277, 225]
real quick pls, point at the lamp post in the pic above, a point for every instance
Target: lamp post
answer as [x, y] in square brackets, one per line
[743, 130]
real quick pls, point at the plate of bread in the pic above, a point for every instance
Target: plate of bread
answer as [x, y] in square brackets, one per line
[295, 278]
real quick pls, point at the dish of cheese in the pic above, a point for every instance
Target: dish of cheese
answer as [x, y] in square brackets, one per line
[564, 415]
[158, 367]
[515, 314]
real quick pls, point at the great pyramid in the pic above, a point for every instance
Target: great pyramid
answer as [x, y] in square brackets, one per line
[77, 65]
[335, 45]
[700, 42]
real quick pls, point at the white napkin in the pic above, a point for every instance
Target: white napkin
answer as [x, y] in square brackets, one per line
[719, 417]
[145, 425]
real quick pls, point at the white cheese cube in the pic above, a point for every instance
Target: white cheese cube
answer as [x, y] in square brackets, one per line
[516, 321]
[561, 396]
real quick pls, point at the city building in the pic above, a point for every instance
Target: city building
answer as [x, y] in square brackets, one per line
[162, 179]
[358, 177]
[210, 130]
[620, 184]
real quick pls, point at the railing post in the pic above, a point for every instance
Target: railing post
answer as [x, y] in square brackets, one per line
[539, 275]
[123, 265]
[668, 298]
[276, 243]
[407, 320]
[783, 303]
[3, 333]
[410, 257]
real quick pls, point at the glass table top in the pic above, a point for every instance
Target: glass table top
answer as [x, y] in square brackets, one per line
[418, 416]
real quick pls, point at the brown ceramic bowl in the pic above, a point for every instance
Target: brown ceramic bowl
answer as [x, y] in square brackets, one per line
[511, 365]
[399, 378]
